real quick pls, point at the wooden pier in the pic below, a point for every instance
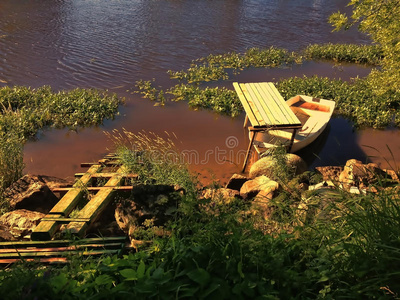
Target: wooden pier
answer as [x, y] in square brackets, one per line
[91, 182]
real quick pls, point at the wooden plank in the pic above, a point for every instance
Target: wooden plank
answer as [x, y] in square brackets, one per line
[107, 175]
[58, 243]
[49, 260]
[70, 200]
[46, 229]
[273, 105]
[58, 253]
[4, 252]
[65, 220]
[97, 204]
[104, 164]
[254, 108]
[262, 104]
[280, 103]
[249, 112]
[94, 189]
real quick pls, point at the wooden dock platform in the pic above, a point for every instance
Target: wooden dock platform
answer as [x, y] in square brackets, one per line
[103, 180]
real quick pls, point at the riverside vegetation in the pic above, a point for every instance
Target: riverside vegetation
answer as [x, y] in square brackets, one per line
[226, 250]
[25, 112]
[356, 100]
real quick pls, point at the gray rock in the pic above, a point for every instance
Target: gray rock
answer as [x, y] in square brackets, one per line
[331, 173]
[20, 223]
[149, 206]
[223, 194]
[236, 182]
[355, 173]
[32, 192]
[252, 187]
[267, 165]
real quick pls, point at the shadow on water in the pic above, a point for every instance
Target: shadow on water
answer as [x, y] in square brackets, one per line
[337, 144]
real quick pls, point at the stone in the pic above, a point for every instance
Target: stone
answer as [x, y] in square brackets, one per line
[321, 185]
[331, 173]
[236, 182]
[221, 194]
[357, 174]
[251, 188]
[264, 196]
[150, 206]
[32, 192]
[267, 165]
[20, 223]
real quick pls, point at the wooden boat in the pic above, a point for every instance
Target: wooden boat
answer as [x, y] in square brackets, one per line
[314, 115]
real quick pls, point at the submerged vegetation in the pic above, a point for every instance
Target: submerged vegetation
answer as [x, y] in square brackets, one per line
[220, 250]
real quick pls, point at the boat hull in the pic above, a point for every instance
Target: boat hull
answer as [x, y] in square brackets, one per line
[314, 113]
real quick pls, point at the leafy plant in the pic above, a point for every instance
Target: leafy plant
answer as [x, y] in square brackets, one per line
[350, 53]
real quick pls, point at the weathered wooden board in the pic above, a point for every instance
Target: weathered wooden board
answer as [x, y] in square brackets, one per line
[46, 229]
[97, 204]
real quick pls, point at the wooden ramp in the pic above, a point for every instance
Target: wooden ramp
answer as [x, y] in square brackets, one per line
[102, 181]
[59, 251]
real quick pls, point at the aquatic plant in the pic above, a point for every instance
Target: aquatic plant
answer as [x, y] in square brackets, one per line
[355, 100]
[25, 111]
[214, 67]
[349, 53]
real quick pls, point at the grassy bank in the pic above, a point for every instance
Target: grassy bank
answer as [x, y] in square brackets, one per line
[24, 112]
[220, 250]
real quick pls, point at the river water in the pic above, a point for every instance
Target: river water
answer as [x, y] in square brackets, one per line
[112, 44]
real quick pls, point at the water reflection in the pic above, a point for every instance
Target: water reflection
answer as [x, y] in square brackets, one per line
[112, 44]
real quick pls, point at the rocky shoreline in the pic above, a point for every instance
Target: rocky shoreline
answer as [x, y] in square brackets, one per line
[31, 197]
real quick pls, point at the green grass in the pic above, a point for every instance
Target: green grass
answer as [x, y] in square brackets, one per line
[348, 246]
[25, 111]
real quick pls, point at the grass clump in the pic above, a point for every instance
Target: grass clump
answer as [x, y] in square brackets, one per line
[349, 53]
[155, 159]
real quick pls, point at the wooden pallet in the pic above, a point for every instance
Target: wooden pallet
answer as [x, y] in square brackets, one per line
[103, 195]
[59, 251]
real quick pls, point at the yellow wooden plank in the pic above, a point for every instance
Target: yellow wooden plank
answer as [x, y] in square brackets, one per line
[97, 204]
[246, 106]
[269, 106]
[274, 105]
[46, 229]
[253, 106]
[72, 197]
[285, 108]
[259, 102]
[281, 103]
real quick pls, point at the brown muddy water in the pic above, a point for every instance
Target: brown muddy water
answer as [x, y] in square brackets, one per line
[111, 44]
